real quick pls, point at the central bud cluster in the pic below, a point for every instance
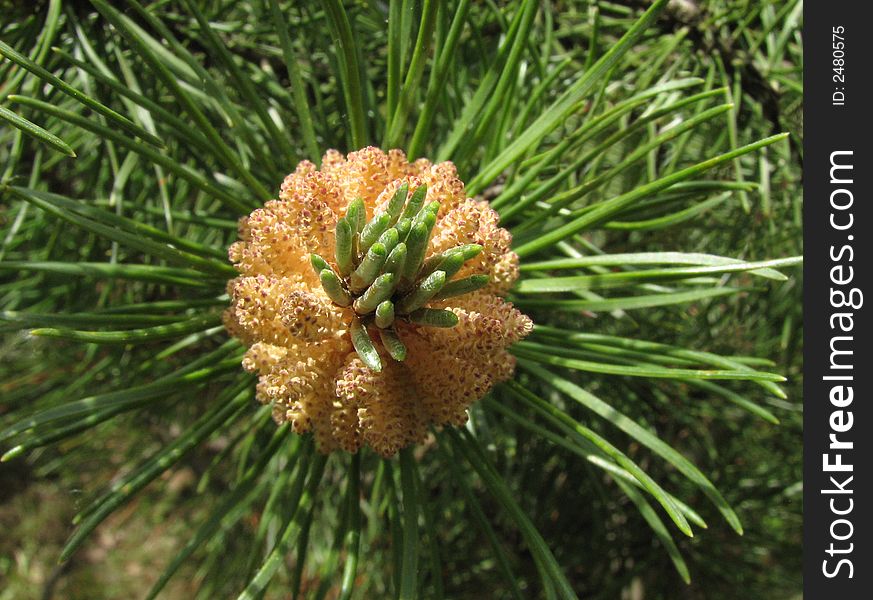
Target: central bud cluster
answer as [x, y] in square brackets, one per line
[401, 325]
[383, 276]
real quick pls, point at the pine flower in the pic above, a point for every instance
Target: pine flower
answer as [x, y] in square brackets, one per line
[370, 297]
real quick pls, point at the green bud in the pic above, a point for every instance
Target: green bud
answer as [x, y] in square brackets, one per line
[403, 226]
[396, 260]
[344, 246]
[470, 250]
[333, 287]
[378, 292]
[462, 286]
[364, 345]
[385, 314]
[415, 202]
[429, 220]
[423, 292]
[434, 317]
[369, 268]
[395, 205]
[452, 264]
[392, 343]
[417, 246]
[425, 213]
[433, 263]
[356, 214]
[373, 230]
[389, 239]
[318, 263]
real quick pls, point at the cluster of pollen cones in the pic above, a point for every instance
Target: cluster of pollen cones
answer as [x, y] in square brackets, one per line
[300, 339]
